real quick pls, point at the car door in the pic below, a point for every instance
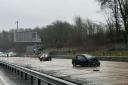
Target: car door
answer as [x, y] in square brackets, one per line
[81, 60]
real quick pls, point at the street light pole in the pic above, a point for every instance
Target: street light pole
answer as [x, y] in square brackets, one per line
[17, 24]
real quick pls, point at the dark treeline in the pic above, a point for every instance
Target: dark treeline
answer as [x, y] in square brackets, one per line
[83, 34]
[117, 13]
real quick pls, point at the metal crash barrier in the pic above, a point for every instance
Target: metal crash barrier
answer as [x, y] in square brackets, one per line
[28, 74]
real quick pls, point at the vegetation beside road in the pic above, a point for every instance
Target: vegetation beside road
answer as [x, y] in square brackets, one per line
[84, 36]
[102, 55]
[72, 51]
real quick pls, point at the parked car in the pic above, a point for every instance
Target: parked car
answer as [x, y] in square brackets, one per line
[45, 57]
[85, 60]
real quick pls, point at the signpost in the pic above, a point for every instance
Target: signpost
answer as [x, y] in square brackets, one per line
[31, 37]
[31, 40]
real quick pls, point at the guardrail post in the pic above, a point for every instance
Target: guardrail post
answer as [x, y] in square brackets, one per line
[49, 84]
[38, 82]
[17, 72]
[26, 76]
[21, 74]
[12, 69]
[8, 67]
[31, 79]
[3, 65]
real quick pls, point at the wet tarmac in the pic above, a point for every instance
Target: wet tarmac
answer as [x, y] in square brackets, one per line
[109, 73]
[8, 78]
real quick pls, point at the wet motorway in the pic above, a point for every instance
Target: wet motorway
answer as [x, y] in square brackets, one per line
[9, 78]
[110, 73]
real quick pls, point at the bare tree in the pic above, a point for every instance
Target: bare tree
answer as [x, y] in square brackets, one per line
[119, 10]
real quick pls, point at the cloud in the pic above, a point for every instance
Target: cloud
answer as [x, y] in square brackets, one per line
[32, 13]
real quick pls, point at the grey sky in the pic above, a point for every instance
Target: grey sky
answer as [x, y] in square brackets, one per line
[32, 13]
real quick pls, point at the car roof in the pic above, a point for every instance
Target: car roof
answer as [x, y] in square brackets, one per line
[87, 55]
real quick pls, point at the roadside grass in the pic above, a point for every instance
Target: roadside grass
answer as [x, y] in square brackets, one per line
[73, 51]
[109, 53]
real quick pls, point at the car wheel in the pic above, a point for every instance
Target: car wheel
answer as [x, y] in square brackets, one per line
[98, 64]
[83, 65]
[74, 64]
[89, 65]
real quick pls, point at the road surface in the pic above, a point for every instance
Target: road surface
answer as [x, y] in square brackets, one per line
[110, 73]
[8, 78]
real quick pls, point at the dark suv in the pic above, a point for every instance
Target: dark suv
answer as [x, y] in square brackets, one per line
[85, 60]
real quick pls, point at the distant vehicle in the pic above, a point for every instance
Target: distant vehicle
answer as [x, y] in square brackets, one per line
[11, 54]
[45, 57]
[7, 54]
[37, 50]
[2, 54]
[85, 60]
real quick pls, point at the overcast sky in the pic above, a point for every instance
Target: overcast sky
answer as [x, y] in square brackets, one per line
[32, 13]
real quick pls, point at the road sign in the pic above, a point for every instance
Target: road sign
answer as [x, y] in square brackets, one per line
[26, 37]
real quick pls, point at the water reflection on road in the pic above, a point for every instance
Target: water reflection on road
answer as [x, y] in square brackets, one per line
[110, 73]
[8, 78]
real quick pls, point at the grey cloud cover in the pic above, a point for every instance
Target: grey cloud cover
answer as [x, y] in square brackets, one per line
[32, 13]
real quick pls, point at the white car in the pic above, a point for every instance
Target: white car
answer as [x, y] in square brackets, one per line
[45, 57]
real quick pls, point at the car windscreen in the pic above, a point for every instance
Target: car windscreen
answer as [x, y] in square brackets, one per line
[89, 56]
[44, 55]
[81, 58]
